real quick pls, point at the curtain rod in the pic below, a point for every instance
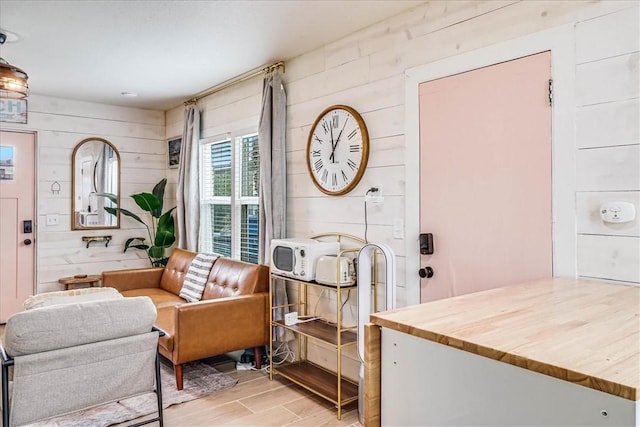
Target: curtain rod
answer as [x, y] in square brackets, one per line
[238, 79]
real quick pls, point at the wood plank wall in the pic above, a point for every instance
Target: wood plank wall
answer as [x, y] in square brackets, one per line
[608, 142]
[60, 125]
[366, 71]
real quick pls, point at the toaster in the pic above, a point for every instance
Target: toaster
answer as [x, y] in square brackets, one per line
[330, 267]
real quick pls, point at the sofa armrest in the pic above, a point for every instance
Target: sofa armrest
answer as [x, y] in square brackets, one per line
[137, 278]
[221, 325]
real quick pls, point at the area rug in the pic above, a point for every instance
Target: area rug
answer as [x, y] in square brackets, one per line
[200, 379]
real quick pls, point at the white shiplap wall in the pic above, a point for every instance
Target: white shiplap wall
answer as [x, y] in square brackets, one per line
[608, 142]
[366, 71]
[61, 124]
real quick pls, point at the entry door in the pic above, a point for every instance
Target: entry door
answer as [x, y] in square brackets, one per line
[17, 205]
[485, 177]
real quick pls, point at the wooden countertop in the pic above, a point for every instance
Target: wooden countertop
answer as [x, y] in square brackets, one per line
[582, 331]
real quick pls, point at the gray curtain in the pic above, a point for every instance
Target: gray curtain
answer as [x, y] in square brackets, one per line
[273, 184]
[273, 163]
[188, 193]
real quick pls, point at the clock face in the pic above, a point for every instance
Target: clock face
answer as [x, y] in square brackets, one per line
[337, 150]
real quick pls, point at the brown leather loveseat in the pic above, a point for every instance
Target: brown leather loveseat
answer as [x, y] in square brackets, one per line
[232, 315]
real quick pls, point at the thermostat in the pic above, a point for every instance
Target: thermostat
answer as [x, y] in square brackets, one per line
[618, 212]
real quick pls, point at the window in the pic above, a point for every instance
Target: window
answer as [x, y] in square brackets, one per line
[230, 185]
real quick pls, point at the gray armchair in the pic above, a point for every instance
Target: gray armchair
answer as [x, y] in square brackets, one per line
[64, 358]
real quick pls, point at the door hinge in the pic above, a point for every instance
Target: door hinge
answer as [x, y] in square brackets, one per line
[550, 92]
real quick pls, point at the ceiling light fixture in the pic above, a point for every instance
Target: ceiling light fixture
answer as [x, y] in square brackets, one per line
[13, 81]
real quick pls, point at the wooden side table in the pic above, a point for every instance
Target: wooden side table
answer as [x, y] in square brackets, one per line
[91, 280]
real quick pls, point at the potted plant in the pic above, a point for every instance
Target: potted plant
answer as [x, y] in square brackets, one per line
[161, 229]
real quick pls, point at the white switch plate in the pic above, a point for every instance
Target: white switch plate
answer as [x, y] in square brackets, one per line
[53, 219]
[398, 228]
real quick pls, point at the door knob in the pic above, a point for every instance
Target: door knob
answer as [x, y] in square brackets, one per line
[27, 242]
[426, 272]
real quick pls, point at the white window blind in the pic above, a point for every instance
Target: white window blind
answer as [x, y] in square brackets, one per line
[230, 179]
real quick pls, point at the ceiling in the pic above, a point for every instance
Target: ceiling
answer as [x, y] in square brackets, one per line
[167, 51]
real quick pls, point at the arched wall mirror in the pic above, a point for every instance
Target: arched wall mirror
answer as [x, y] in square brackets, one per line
[95, 170]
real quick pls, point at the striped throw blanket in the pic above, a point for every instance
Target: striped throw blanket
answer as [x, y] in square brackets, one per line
[196, 278]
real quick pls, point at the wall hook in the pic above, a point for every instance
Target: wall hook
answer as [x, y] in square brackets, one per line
[55, 187]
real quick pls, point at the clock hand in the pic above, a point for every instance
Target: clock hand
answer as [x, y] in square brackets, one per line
[340, 134]
[333, 146]
[338, 139]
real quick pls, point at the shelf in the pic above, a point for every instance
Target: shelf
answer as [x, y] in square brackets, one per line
[322, 331]
[314, 377]
[314, 283]
[319, 381]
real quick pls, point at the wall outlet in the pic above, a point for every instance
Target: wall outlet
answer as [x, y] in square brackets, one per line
[374, 198]
[291, 318]
[53, 219]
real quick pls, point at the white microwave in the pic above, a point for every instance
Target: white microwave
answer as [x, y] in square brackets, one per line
[297, 258]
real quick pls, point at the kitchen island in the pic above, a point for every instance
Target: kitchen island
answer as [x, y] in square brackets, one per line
[549, 352]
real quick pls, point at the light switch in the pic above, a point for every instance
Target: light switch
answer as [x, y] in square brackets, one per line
[398, 228]
[53, 219]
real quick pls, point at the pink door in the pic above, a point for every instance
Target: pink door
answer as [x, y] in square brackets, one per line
[485, 177]
[17, 208]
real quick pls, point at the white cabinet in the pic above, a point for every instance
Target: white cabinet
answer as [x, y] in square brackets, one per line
[427, 383]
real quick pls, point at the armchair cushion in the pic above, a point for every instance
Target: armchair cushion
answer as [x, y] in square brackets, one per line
[70, 297]
[69, 325]
[67, 357]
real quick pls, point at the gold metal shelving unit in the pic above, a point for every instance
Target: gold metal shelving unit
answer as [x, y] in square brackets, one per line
[330, 385]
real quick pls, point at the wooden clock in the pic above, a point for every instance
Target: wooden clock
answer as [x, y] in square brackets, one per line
[337, 150]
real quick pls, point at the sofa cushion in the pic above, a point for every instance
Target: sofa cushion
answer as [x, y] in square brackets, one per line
[177, 267]
[68, 325]
[160, 297]
[70, 297]
[229, 278]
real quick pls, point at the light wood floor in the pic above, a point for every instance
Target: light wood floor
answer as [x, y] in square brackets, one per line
[257, 401]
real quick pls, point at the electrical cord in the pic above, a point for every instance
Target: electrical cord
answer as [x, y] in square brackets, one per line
[345, 301]
[366, 224]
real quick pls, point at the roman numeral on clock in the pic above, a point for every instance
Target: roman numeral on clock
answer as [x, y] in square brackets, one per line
[325, 174]
[354, 148]
[325, 126]
[334, 179]
[344, 176]
[315, 153]
[352, 165]
[316, 138]
[353, 133]
[318, 165]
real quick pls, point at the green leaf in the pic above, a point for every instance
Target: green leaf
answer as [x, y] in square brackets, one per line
[147, 202]
[166, 223]
[164, 239]
[156, 252]
[128, 244]
[113, 211]
[158, 191]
